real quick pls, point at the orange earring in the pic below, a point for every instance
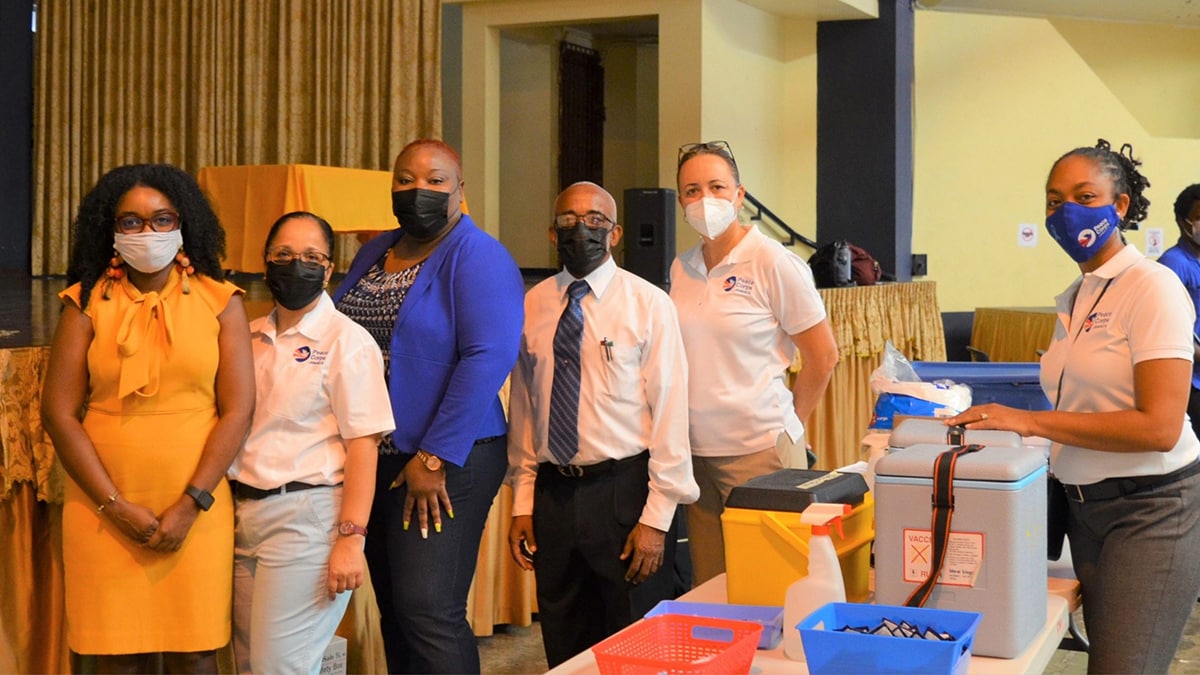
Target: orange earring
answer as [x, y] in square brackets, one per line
[112, 274]
[185, 269]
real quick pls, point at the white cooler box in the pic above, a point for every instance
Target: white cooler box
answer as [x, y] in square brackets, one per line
[996, 558]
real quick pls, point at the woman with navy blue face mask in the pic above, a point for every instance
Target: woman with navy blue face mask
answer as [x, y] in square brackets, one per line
[1118, 372]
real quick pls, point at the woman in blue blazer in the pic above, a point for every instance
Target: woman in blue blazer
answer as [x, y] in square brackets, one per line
[444, 300]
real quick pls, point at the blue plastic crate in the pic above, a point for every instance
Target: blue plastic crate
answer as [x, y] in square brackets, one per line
[829, 650]
[1012, 384]
[770, 618]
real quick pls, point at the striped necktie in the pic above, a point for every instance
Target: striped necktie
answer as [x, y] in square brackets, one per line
[564, 392]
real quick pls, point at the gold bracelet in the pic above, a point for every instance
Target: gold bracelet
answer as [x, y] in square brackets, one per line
[111, 498]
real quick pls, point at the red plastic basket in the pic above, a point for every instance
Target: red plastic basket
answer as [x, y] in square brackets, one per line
[673, 643]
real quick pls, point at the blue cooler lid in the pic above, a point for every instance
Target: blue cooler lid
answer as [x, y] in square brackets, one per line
[997, 464]
[986, 372]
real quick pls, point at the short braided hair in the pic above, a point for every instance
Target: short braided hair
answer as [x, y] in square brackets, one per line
[1122, 168]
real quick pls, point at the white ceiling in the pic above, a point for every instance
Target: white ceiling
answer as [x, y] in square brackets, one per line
[1173, 12]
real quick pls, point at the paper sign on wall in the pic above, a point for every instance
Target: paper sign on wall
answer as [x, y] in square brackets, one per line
[1154, 241]
[1027, 235]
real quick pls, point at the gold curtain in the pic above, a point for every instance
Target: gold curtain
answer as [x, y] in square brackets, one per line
[864, 318]
[216, 82]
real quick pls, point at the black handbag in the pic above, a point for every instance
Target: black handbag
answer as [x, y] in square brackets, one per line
[1057, 508]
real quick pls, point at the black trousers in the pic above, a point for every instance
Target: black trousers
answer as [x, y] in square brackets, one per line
[580, 525]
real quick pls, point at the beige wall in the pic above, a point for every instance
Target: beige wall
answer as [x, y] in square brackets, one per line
[528, 148]
[483, 24]
[759, 93]
[998, 99]
[752, 74]
[631, 118]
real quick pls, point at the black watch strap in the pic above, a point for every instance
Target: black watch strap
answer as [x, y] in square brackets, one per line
[203, 498]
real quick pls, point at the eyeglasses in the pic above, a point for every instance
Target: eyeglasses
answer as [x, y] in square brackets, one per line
[594, 220]
[690, 150]
[285, 256]
[163, 221]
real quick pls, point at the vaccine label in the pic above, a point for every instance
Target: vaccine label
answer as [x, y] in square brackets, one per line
[964, 557]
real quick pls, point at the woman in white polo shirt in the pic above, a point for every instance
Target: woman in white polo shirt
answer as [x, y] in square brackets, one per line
[746, 304]
[1118, 371]
[304, 481]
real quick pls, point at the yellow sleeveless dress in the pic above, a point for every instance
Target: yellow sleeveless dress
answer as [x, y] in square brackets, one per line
[150, 407]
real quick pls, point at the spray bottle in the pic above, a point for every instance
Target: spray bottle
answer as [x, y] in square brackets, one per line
[823, 584]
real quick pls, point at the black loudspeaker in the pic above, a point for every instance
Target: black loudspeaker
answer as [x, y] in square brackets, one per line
[650, 233]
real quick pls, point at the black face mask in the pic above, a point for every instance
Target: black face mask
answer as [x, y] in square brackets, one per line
[582, 249]
[295, 284]
[421, 212]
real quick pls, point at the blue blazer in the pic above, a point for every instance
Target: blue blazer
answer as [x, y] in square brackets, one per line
[454, 343]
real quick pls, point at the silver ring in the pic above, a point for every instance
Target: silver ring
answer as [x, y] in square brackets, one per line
[982, 416]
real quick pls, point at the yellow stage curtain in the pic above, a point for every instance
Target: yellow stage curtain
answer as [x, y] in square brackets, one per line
[864, 318]
[223, 82]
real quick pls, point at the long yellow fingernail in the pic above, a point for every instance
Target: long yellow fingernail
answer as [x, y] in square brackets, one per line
[437, 527]
[395, 484]
[451, 512]
[406, 526]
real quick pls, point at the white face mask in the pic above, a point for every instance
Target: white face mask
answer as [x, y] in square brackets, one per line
[148, 252]
[1194, 235]
[710, 216]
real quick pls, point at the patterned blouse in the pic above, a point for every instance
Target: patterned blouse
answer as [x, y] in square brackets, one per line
[373, 303]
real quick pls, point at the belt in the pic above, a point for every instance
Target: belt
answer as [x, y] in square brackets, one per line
[243, 491]
[589, 470]
[1111, 488]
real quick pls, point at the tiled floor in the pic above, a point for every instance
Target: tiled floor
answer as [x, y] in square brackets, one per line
[516, 650]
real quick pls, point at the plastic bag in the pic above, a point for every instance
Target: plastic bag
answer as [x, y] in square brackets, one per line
[901, 392]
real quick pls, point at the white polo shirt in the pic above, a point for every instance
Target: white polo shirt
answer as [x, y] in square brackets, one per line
[318, 383]
[736, 322]
[1144, 315]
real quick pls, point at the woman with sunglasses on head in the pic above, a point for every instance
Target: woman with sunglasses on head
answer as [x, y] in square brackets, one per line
[304, 481]
[445, 303]
[148, 396]
[746, 305]
[1118, 371]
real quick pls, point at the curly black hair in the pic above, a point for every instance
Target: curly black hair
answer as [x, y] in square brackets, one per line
[1183, 203]
[93, 228]
[1122, 167]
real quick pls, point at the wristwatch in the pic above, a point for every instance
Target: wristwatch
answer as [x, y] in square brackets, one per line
[347, 528]
[431, 462]
[203, 498]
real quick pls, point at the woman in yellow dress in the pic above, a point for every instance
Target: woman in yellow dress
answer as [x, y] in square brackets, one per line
[148, 397]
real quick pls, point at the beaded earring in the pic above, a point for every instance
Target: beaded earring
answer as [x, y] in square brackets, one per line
[185, 269]
[113, 273]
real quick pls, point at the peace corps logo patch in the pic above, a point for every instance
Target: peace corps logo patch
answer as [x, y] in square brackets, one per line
[1096, 320]
[741, 286]
[1086, 238]
[301, 354]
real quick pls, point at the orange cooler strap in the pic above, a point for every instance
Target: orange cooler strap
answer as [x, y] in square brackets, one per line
[943, 511]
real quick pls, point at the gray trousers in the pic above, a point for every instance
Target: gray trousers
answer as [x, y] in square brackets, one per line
[1137, 558]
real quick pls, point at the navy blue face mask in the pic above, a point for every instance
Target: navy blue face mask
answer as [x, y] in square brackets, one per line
[1082, 231]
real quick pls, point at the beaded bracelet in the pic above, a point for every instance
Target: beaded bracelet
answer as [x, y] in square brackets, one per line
[111, 498]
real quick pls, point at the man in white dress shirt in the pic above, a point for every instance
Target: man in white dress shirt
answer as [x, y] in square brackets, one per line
[598, 452]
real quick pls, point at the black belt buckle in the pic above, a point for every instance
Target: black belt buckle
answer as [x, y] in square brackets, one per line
[570, 470]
